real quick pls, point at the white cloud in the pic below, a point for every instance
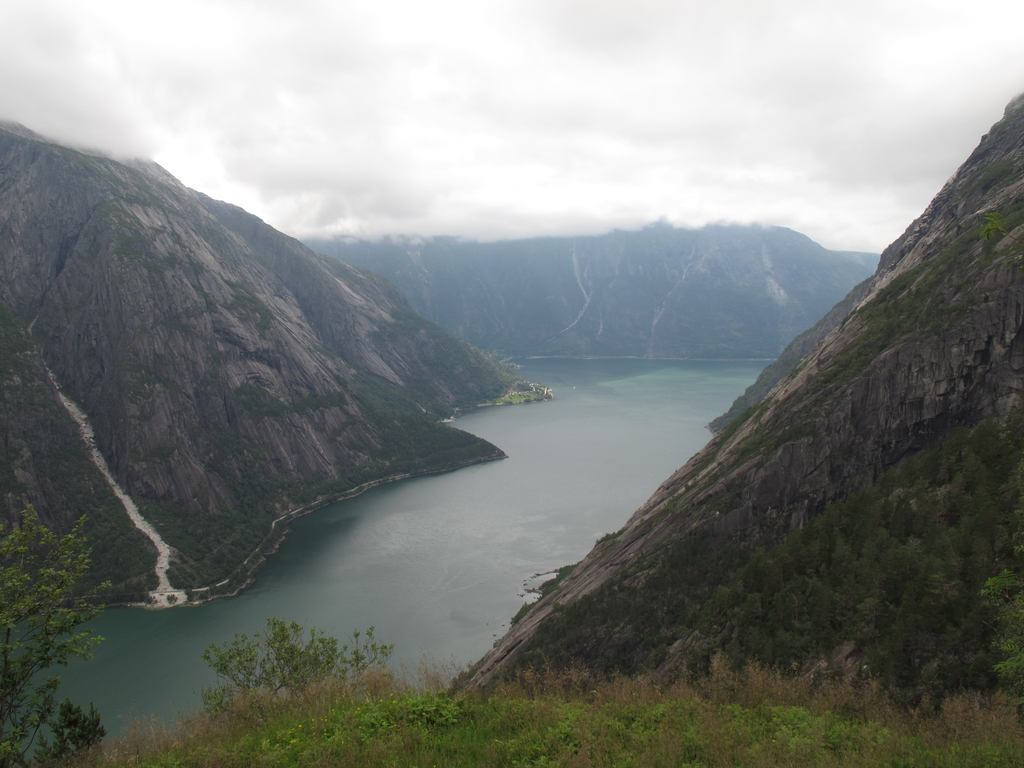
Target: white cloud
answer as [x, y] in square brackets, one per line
[840, 119]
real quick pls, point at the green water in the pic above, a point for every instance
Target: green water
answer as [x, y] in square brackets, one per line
[437, 564]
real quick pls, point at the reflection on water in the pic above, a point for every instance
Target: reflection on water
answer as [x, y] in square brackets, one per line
[437, 564]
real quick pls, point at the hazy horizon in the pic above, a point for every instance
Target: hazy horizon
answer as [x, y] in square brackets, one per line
[546, 117]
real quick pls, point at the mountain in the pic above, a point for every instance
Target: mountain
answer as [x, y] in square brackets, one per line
[790, 358]
[229, 373]
[850, 517]
[718, 292]
[869, 260]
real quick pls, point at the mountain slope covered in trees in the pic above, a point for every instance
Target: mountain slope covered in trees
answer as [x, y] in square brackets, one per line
[851, 516]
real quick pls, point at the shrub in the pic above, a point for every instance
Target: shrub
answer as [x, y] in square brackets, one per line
[282, 660]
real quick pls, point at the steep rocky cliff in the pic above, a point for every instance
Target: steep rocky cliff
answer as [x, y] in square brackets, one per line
[934, 343]
[790, 357]
[228, 372]
[717, 292]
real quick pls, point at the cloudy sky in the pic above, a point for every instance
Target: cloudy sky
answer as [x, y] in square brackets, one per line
[510, 118]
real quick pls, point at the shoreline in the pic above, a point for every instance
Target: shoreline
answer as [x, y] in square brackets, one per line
[275, 537]
[547, 396]
[652, 359]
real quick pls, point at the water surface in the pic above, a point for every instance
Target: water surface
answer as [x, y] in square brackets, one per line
[437, 564]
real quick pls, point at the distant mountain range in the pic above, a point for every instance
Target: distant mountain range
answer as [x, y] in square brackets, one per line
[228, 372]
[723, 291]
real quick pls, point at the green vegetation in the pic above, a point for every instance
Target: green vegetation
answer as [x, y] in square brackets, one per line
[40, 620]
[258, 669]
[26, 412]
[996, 225]
[414, 445]
[522, 392]
[753, 717]
[74, 732]
[896, 570]
[548, 587]
[1006, 592]
[218, 546]
[627, 625]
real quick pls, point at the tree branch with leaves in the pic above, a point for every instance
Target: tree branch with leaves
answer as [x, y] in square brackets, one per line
[995, 224]
[40, 626]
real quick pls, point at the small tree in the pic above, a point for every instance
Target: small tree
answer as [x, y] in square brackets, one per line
[283, 660]
[1007, 591]
[40, 616]
[74, 731]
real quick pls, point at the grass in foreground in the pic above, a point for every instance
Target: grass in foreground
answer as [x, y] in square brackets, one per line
[755, 717]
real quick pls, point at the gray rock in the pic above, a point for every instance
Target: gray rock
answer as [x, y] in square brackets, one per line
[226, 369]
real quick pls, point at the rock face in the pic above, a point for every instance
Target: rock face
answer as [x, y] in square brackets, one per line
[790, 358]
[229, 372]
[717, 292]
[935, 342]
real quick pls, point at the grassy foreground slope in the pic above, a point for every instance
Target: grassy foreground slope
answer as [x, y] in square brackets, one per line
[567, 719]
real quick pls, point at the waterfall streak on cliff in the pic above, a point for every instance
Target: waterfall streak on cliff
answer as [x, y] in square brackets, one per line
[664, 302]
[583, 290]
[164, 595]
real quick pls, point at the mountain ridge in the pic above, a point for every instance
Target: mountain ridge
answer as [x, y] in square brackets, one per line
[934, 344]
[723, 291]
